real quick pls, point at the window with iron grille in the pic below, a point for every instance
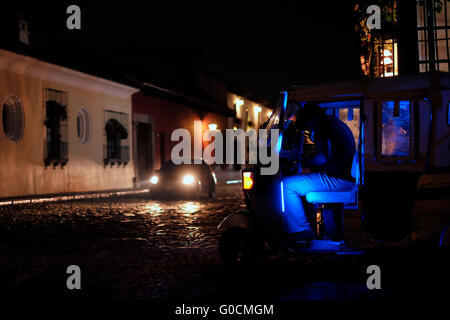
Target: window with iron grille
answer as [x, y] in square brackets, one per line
[433, 35]
[56, 139]
[116, 149]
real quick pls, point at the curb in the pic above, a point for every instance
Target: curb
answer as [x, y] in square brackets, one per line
[68, 197]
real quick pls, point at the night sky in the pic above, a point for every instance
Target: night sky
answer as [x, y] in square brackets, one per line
[259, 47]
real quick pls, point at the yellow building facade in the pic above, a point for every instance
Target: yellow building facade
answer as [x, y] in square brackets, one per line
[250, 114]
[85, 157]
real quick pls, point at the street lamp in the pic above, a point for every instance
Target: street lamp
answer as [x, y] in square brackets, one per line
[238, 102]
[212, 126]
[257, 109]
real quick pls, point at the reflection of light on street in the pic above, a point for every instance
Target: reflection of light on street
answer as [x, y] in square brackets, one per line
[193, 231]
[154, 207]
[189, 207]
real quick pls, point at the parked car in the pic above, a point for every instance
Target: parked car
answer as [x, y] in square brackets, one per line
[184, 180]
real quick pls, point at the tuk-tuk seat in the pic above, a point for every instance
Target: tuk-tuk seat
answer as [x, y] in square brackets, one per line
[333, 204]
[342, 197]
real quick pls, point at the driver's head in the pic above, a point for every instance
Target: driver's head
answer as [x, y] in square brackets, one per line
[308, 114]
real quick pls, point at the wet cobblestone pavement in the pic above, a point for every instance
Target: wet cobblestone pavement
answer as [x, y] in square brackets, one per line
[132, 247]
[115, 241]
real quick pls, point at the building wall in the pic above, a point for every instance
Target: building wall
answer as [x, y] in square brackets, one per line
[168, 116]
[247, 112]
[22, 162]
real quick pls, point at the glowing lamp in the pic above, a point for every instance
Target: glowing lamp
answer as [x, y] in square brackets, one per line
[247, 180]
[212, 126]
[188, 179]
[154, 180]
[238, 103]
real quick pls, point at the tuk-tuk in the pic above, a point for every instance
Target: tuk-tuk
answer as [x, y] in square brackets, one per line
[401, 196]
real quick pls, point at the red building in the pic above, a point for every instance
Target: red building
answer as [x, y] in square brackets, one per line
[158, 111]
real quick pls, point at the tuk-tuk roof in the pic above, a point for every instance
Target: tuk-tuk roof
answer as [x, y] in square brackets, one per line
[406, 86]
[329, 91]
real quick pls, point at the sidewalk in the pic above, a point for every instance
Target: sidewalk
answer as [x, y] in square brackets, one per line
[224, 176]
[70, 196]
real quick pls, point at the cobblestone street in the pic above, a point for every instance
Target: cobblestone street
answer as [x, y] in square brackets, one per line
[132, 247]
[114, 241]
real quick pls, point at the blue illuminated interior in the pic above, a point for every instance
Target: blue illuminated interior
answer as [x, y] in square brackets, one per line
[396, 130]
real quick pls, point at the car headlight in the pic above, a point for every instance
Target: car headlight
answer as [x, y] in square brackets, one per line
[188, 179]
[154, 180]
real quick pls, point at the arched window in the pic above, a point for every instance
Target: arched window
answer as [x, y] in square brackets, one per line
[116, 152]
[13, 118]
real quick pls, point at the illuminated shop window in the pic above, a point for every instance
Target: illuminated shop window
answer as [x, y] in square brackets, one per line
[13, 118]
[396, 130]
[386, 59]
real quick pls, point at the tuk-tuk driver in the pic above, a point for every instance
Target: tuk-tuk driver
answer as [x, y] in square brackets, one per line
[330, 165]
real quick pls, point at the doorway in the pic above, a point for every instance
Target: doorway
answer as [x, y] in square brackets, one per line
[144, 150]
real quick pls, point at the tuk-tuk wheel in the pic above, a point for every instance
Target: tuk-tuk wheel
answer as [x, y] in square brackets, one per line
[240, 247]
